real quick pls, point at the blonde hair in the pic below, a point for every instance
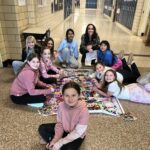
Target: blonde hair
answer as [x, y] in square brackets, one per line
[30, 39]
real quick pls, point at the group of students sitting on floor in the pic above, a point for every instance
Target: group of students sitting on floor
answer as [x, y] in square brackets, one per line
[36, 74]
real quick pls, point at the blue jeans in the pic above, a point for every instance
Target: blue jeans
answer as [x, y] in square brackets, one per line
[68, 58]
[17, 66]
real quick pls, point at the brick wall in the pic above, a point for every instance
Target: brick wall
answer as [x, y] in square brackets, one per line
[3, 55]
[14, 19]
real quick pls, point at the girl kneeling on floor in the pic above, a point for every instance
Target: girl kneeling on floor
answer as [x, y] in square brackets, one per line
[49, 72]
[72, 119]
[133, 92]
[23, 89]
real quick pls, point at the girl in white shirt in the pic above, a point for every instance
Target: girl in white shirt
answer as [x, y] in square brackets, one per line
[100, 70]
[133, 92]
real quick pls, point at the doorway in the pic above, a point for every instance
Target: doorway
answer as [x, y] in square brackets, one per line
[91, 4]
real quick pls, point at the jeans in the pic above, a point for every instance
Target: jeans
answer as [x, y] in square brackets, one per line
[65, 56]
[17, 66]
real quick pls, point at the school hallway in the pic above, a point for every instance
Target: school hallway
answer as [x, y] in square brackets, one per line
[19, 124]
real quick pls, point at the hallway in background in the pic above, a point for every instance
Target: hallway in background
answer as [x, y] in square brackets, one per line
[119, 38]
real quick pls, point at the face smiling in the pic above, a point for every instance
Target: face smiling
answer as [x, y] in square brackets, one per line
[31, 44]
[50, 44]
[90, 30]
[46, 54]
[70, 35]
[99, 68]
[71, 97]
[34, 63]
[103, 47]
[109, 77]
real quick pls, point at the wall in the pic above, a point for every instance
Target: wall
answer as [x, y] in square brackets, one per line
[14, 19]
[82, 4]
[2, 44]
[9, 29]
[100, 5]
[144, 17]
[3, 55]
[137, 17]
[41, 16]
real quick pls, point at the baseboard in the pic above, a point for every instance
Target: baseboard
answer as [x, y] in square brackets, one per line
[7, 63]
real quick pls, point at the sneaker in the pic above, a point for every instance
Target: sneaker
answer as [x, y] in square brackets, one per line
[121, 54]
[130, 59]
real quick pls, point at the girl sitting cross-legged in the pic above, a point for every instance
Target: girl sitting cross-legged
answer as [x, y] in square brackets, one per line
[49, 72]
[31, 47]
[72, 120]
[23, 89]
[68, 51]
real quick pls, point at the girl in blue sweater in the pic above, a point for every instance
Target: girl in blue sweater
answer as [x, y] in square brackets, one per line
[107, 56]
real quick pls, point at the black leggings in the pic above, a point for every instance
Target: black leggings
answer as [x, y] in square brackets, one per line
[49, 80]
[130, 75]
[27, 99]
[47, 132]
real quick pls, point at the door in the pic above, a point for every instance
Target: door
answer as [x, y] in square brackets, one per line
[67, 8]
[91, 4]
[108, 7]
[125, 12]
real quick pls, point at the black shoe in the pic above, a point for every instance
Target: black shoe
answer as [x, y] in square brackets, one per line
[93, 62]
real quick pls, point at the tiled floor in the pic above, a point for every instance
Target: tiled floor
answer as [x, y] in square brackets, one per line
[119, 38]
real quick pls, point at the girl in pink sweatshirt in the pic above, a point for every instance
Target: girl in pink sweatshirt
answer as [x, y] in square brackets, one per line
[49, 73]
[23, 89]
[72, 119]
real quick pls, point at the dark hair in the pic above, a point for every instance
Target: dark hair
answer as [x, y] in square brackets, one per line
[68, 30]
[106, 43]
[105, 83]
[73, 85]
[46, 42]
[29, 58]
[99, 62]
[94, 36]
[108, 48]
[43, 48]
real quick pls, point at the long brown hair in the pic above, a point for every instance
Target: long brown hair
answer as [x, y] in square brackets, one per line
[46, 43]
[105, 83]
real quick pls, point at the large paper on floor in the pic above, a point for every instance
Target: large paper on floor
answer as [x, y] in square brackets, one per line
[95, 103]
[109, 106]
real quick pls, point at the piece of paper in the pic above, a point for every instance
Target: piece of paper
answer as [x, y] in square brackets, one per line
[91, 55]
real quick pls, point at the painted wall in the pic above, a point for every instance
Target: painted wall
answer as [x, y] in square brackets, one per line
[144, 17]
